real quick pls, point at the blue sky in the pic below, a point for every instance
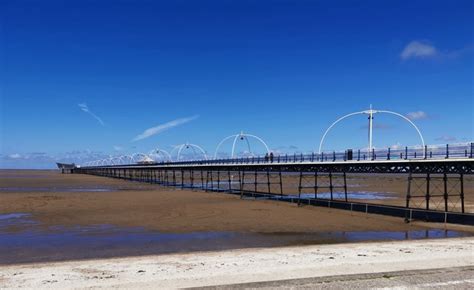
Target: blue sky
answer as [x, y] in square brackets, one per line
[81, 79]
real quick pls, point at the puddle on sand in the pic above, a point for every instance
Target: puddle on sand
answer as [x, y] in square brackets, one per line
[15, 220]
[24, 240]
[13, 216]
[355, 195]
[361, 195]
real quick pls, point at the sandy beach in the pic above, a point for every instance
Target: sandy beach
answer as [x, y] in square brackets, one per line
[80, 231]
[236, 145]
[245, 266]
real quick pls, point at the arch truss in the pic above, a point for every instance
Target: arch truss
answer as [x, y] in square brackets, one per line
[140, 157]
[243, 137]
[196, 150]
[370, 114]
[162, 155]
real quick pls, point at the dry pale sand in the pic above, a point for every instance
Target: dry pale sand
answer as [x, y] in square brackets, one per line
[54, 199]
[242, 266]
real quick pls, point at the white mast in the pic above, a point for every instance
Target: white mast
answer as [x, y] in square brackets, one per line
[371, 118]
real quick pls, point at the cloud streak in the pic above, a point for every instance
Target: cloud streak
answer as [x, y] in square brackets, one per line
[118, 148]
[163, 127]
[418, 115]
[446, 138]
[418, 49]
[86, 109]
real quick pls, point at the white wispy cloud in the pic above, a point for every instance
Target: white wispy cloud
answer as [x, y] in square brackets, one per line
[43, 160]
[396, 146]
[86, 109]
[453, 54]
[417, 115]
[118, 148]
[418, 49]
[14, 156]
[163, 127]
[446, 138]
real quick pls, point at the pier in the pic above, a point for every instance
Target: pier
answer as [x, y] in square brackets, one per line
[434, 174]
[435, 179]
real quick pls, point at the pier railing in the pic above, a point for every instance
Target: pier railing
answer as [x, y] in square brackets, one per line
[407, 153]
[431, 152]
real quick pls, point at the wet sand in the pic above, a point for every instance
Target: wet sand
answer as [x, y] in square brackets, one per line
[130, 204]
[63, 217]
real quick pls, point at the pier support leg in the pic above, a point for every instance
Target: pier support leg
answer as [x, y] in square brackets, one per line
[408, 196]
[316, 185]
[345, 186]
[407, 199]
[300, 188]
[202, 179]
[461, 195]
[242, 183]
[331, 187]
[229, 175]
[268, 181]
[256, 183]
[281, 183]
[427, 196]
[445, 193]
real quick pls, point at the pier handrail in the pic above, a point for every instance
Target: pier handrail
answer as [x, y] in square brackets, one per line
[431, 152]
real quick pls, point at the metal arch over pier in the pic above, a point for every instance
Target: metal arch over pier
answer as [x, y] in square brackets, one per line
[165, 155]
[371, 113]
[191, 146]
[140, 156]
[241, 136]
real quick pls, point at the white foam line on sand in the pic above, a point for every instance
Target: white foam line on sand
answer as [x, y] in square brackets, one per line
[242, 266]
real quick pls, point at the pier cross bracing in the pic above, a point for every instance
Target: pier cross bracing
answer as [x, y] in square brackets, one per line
[435, 175]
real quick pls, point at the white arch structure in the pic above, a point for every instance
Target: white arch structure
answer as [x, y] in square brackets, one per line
[119, 160]
[116, 160]
[129, 158]
[188, 146]
[122, 159]
[241, 136]
[165, 155]
[143, 155]
[371, 112]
